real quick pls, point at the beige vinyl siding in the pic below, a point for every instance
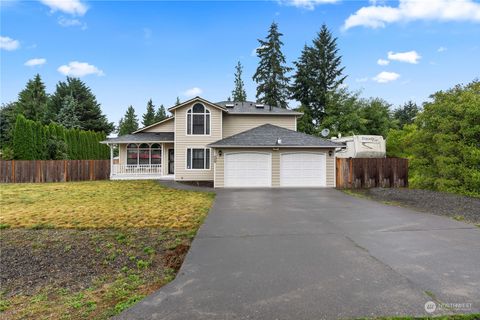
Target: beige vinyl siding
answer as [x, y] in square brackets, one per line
[166, 126]
[219, 163]
[233, 124]
[182, 142]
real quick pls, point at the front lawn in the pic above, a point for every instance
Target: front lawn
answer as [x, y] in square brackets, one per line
[91, 249]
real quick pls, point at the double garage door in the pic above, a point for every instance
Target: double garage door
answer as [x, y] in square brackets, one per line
[294, 169]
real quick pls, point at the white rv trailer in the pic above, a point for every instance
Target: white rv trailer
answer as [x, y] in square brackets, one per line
[362, 146]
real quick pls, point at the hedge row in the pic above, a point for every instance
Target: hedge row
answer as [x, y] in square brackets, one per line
[34, 141]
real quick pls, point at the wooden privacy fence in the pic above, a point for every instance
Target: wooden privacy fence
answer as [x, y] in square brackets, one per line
[53, 170]
[372, 172]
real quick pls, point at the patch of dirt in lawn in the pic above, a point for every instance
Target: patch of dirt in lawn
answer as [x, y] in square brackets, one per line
[459, 207]
[94, 272]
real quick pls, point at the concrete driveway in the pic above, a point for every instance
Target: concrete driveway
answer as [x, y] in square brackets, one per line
[318, 254]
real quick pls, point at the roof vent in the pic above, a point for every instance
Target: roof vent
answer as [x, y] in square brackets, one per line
[259, 106]
[279, 141]
[229, 105]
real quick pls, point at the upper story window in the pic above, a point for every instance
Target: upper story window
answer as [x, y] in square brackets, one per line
[198, 120]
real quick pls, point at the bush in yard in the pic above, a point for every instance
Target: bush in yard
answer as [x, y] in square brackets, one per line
[443, 144]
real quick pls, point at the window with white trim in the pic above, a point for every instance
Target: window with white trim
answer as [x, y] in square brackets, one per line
[198, 120]
[144, 154]
[198, 158]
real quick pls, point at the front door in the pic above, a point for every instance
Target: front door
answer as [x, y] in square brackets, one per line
[171, 161]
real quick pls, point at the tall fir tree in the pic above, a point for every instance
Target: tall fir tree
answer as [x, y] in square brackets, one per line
[149, 115]
[238, 92]
[67, 116]
[88, 109]
[318, 74]
[161, 114]
[32, 101]
[129, 123]
[271, 75]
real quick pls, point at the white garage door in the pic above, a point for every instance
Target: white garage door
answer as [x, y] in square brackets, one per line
[303, 170]
[248, 169]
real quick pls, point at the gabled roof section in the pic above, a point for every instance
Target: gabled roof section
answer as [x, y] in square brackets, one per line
[153, 125]
[147, 137]
[250, 107]
[268, 135]
[197, 98]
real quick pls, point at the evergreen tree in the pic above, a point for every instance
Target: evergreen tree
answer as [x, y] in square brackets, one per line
[32, 101]
[271, 78]
[88, 109]
[318, 74]
[67, 116]
[39, 141]
[23, 143]
[406, 114]
[303, 80]
[8, 116]
[161, 114]
[238, 92]
[129, 123]
[149, 116]
[305, 122]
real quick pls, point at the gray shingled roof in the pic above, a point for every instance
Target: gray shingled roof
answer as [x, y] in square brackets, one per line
[143, 137]
[249, 107]
[267, 135]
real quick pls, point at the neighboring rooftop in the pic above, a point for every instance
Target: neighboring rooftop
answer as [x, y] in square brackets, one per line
[143, 137]
[250, 107]
[268, 135]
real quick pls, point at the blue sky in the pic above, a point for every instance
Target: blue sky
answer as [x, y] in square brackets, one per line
[128, 52]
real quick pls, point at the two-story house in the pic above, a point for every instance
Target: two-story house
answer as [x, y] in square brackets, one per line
[232, 144]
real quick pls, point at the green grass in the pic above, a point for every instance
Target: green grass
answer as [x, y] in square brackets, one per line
[101, 204]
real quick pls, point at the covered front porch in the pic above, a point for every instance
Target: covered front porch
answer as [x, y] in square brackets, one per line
[142, 156]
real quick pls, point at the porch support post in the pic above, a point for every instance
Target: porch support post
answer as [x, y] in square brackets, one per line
[111, 160]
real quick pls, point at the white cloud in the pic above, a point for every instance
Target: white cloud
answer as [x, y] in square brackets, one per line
[441, 49]
[306, 4]
[35, 62]
[73, 7]
[378, 16]
[66, 22]
[79, 69]
[383, 62]
[9, 44]
[193, 92]
[409, 56]
[385, 76]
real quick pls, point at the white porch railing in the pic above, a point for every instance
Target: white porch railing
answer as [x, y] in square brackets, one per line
[135, 169]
